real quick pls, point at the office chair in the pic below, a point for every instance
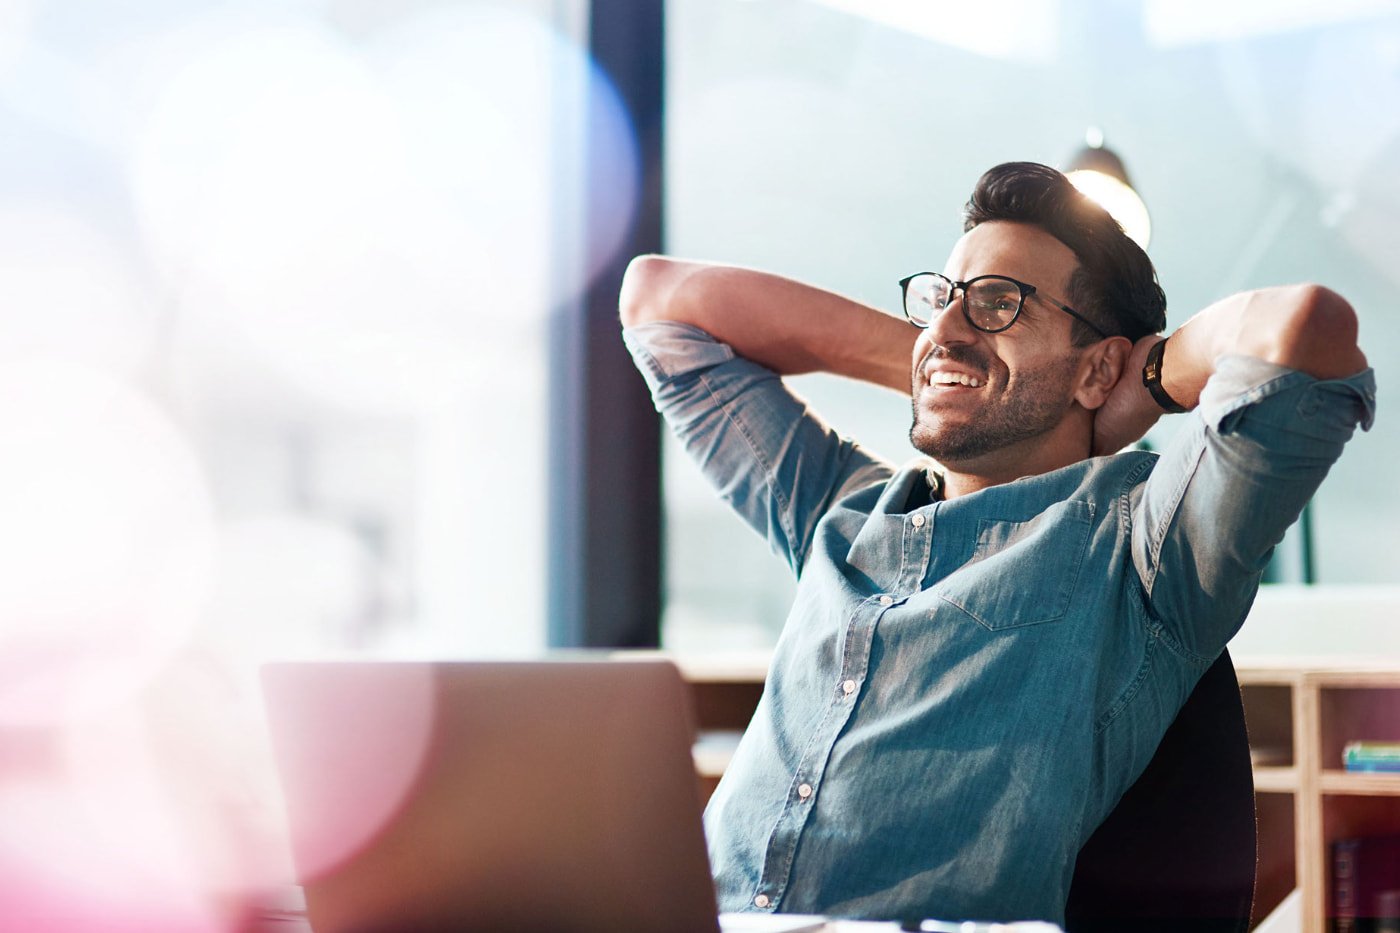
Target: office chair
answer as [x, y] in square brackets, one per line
[1178, 851]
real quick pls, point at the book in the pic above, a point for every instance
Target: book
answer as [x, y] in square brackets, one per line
[1366, 885]
[1371, 756]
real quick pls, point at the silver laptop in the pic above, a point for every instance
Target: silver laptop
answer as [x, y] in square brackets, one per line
[541, 796]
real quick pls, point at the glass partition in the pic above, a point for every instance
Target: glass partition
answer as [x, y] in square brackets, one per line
[835, 142]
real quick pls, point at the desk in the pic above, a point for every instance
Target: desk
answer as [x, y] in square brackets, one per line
[287, 915]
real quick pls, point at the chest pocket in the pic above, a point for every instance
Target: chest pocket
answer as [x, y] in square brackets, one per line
[1022, 573]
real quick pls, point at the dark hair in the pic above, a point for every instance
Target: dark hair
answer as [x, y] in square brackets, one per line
[1114, 284]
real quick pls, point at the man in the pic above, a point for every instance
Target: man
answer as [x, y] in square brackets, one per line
[985, 650]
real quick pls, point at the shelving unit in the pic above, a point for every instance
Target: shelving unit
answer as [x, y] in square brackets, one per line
[725, 690]
[1299, 718]
[1326, 706]
[1273, 715]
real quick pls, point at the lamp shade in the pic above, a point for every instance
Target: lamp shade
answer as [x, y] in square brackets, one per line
[1098, 172]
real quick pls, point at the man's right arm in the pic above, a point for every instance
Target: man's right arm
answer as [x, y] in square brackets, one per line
[713, 342]
[778, 323]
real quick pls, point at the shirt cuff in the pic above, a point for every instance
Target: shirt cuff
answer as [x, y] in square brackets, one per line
[665, 350]
[1242, 381]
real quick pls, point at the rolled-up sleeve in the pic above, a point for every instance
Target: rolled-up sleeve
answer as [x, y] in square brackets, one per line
[1229, 485]
[767, 454]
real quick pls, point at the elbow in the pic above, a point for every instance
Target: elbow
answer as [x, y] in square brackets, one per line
[1317, 333]
[1324, 313]
[645, 286]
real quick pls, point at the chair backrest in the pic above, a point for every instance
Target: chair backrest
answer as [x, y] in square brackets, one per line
[1178, 852]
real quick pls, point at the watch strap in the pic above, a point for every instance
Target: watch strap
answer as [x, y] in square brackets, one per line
[1152, 379]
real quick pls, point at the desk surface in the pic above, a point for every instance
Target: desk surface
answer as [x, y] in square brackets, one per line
[752, 665]
[285, 913]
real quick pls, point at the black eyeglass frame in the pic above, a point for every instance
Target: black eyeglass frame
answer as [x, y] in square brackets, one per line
[1026, 290]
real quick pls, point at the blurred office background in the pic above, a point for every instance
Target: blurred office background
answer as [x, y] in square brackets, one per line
[836, 142]
[282, 284]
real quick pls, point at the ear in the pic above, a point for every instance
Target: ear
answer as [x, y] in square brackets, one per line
[1100, 370]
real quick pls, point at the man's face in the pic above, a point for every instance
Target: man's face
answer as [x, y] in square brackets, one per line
[1023, 379]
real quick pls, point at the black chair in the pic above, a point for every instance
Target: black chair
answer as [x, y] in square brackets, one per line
[1179, 851]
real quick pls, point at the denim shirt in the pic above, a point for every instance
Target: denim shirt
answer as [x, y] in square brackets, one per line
[964, 689]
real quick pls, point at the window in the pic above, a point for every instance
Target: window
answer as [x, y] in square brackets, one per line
[811, 139]
[277, 284]
[297, 251]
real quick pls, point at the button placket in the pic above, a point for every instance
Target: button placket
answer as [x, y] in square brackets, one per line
[796, 812]
[918, 549]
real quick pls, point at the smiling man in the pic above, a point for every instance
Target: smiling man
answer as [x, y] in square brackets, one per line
[987, 643]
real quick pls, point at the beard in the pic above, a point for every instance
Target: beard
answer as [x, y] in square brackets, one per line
[1031, 404]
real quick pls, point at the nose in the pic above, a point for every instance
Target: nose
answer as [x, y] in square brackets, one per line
[952, 327]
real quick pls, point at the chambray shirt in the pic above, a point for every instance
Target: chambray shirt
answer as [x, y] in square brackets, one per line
[964, 689]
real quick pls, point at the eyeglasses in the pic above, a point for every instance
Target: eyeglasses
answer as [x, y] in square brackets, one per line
[991, 303]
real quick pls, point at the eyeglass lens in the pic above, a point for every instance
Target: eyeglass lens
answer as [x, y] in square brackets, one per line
[992, 302]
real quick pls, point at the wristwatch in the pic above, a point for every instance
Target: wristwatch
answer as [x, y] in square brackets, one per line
[1152, 378]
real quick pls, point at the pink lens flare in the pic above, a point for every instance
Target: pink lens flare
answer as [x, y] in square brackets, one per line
[350, 741]
[106, 534]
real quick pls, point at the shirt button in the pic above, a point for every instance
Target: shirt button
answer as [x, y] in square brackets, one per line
[917, 521]
[848, 687]
[886, 600]
[804, 791]
[761, 901]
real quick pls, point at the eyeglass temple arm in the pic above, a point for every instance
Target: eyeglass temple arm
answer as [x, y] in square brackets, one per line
[1076, 315]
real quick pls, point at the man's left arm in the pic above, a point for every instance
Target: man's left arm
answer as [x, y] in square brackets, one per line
[1305, 327]
[1278, 383]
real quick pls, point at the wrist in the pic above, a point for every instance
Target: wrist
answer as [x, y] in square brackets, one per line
[1152, 378]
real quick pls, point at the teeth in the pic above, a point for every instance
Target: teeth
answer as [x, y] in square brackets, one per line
[944, 379]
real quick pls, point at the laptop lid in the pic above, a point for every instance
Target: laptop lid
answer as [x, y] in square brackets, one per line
[555, 795]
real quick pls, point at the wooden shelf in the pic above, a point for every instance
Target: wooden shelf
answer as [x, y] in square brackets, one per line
[1365, 783]
[1275, 780]
[713, 750]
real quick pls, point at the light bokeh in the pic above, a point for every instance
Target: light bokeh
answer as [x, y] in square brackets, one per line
[14, 31]
[68, 290]
[276, 288]
[106, 537]
[1019, 30]
[343, 786]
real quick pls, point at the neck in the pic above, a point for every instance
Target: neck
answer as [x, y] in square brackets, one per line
[1066, 443]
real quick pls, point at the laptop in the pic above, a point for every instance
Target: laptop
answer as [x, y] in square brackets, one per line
[524, 796]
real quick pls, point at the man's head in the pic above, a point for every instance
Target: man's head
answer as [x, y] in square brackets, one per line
[1020, 401]
[1113, 283]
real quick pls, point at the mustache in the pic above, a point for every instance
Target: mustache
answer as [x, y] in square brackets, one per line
[964, 356]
